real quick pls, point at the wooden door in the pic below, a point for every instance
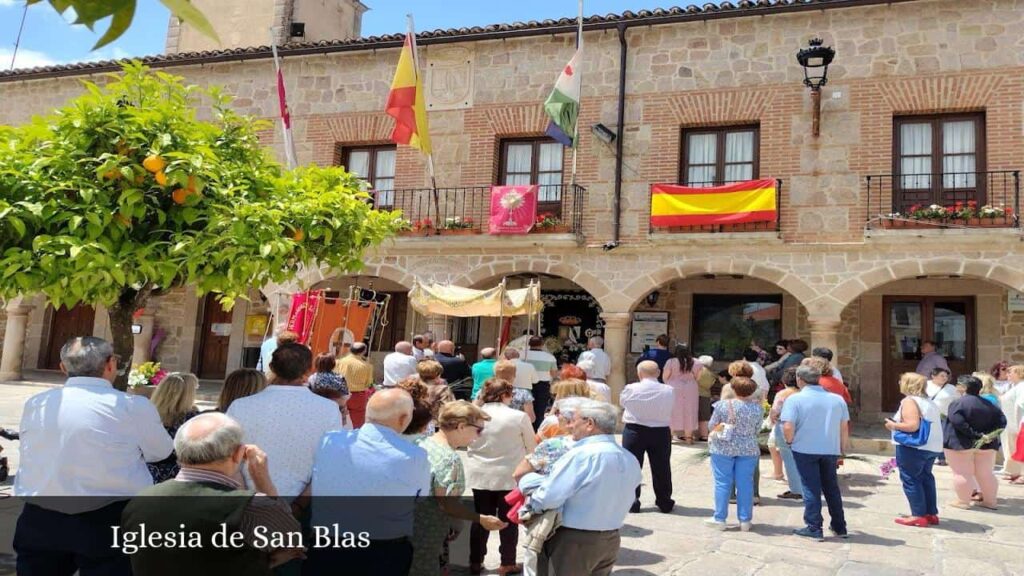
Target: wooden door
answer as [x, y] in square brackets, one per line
[214, 340]
[909, 320]
[64, 325]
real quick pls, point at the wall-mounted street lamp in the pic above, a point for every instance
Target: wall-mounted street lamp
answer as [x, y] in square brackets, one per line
[815, 60]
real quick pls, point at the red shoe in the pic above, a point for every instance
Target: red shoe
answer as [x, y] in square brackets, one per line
[913, 521]
[933, 519]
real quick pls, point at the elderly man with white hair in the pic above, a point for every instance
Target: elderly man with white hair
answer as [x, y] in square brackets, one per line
[648, 408]
[374, 460]
[207, 494]
[596, 470]
[399, 364]
[601, 365]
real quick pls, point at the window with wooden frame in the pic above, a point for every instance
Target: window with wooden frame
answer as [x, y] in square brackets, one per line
[528, 161]
[717, 156]
[939, 159]
[376, 165]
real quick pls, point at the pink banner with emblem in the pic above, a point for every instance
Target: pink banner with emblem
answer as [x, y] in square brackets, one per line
[303, 312]
[513, 209]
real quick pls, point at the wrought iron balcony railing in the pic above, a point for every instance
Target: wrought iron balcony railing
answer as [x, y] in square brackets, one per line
[943, 200]
[466, 210]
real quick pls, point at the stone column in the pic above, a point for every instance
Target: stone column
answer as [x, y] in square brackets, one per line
[616, 344]
[144, 339]
[14, 340]
[824, 333]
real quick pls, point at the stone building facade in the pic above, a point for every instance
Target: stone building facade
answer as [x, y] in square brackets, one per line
[842, 276]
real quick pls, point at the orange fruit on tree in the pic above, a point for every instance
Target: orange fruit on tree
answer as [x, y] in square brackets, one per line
[180, 195]
[140, 178]
[154, 163]
[299, 235]
[112, 174]
[161, 178]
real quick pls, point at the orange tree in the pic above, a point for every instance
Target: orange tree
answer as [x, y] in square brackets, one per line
[123, 194]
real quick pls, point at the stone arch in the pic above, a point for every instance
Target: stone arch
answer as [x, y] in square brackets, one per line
[583, 279]
[310, 276]
[628, 299]
[1005, 276]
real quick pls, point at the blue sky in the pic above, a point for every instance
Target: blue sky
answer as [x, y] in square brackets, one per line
[47, 39]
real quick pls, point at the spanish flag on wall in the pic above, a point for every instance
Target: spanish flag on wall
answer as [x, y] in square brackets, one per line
[405, 101]
[750, 201]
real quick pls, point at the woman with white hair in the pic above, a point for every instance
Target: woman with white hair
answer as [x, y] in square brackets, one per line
[174, 400]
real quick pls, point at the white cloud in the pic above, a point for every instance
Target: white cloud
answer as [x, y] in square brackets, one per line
[6, 3]
[25, 58]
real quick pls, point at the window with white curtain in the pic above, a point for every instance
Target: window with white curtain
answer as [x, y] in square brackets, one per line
[536, 161]
[713, 157]
[947, 146]
[375, 165]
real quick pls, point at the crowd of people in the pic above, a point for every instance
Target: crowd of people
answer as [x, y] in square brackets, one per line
[311, 442]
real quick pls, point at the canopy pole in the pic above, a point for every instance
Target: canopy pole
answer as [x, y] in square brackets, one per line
[501, 313]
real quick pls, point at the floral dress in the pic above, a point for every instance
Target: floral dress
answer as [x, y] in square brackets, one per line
[168, 467]
[434, 529]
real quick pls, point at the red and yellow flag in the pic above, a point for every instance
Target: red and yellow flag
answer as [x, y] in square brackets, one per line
[405, 101]
[750, 201]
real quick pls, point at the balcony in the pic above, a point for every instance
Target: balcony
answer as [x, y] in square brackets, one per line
[963, 200]
[732, 227]
[465, 211]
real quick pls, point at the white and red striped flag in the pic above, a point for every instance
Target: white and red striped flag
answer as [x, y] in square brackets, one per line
[286, 117]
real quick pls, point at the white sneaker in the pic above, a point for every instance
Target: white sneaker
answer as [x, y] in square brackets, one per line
[720, 526]
[746, 526]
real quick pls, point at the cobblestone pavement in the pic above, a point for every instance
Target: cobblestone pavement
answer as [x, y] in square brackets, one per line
[966, 543]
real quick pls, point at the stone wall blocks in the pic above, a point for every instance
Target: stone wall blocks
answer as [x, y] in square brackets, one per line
[905, 269]
[942, 266]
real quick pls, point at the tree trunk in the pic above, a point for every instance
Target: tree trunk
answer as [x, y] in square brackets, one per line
[120, 314]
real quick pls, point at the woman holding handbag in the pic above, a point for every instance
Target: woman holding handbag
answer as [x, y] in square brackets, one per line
[917, 434]
[735, 452]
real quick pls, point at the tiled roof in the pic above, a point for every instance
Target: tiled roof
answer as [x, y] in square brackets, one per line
[658, 16]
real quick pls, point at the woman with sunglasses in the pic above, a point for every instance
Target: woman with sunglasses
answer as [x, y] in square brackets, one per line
[492, 460]
[438, 522]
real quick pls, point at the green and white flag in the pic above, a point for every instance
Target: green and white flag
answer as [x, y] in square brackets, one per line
[563, 105]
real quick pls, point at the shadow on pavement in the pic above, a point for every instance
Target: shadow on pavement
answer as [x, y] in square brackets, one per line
[630, 557]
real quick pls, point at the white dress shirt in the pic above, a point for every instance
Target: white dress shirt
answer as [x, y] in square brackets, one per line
[398, 366]
[88, 439]
[647, 403]
[506, 439]
[602, 363]
[287, 422]
[526, 375]
[601, 390]
[594, 484]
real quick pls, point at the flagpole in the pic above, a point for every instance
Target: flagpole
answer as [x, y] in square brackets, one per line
[430, 155]
[289, 142]
[576, 135]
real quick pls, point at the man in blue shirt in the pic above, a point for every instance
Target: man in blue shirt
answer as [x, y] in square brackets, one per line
[594, 485]
[815, 423]
[373, 461]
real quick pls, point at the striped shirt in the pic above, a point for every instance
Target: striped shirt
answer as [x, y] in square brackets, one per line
[647, 403]
[272, 513]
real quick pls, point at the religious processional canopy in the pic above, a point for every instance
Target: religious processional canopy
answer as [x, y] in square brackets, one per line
[448, 300]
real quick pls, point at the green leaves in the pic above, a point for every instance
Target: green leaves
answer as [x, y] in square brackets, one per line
[83, 220]
[122, 13]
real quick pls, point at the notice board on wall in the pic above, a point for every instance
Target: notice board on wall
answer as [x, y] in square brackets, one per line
[647, 326]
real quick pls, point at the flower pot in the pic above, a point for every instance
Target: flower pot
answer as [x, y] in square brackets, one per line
[459, 231]
[911, 224]
[420, 232]
[559, 229]
[144, 391]
[996, 222]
